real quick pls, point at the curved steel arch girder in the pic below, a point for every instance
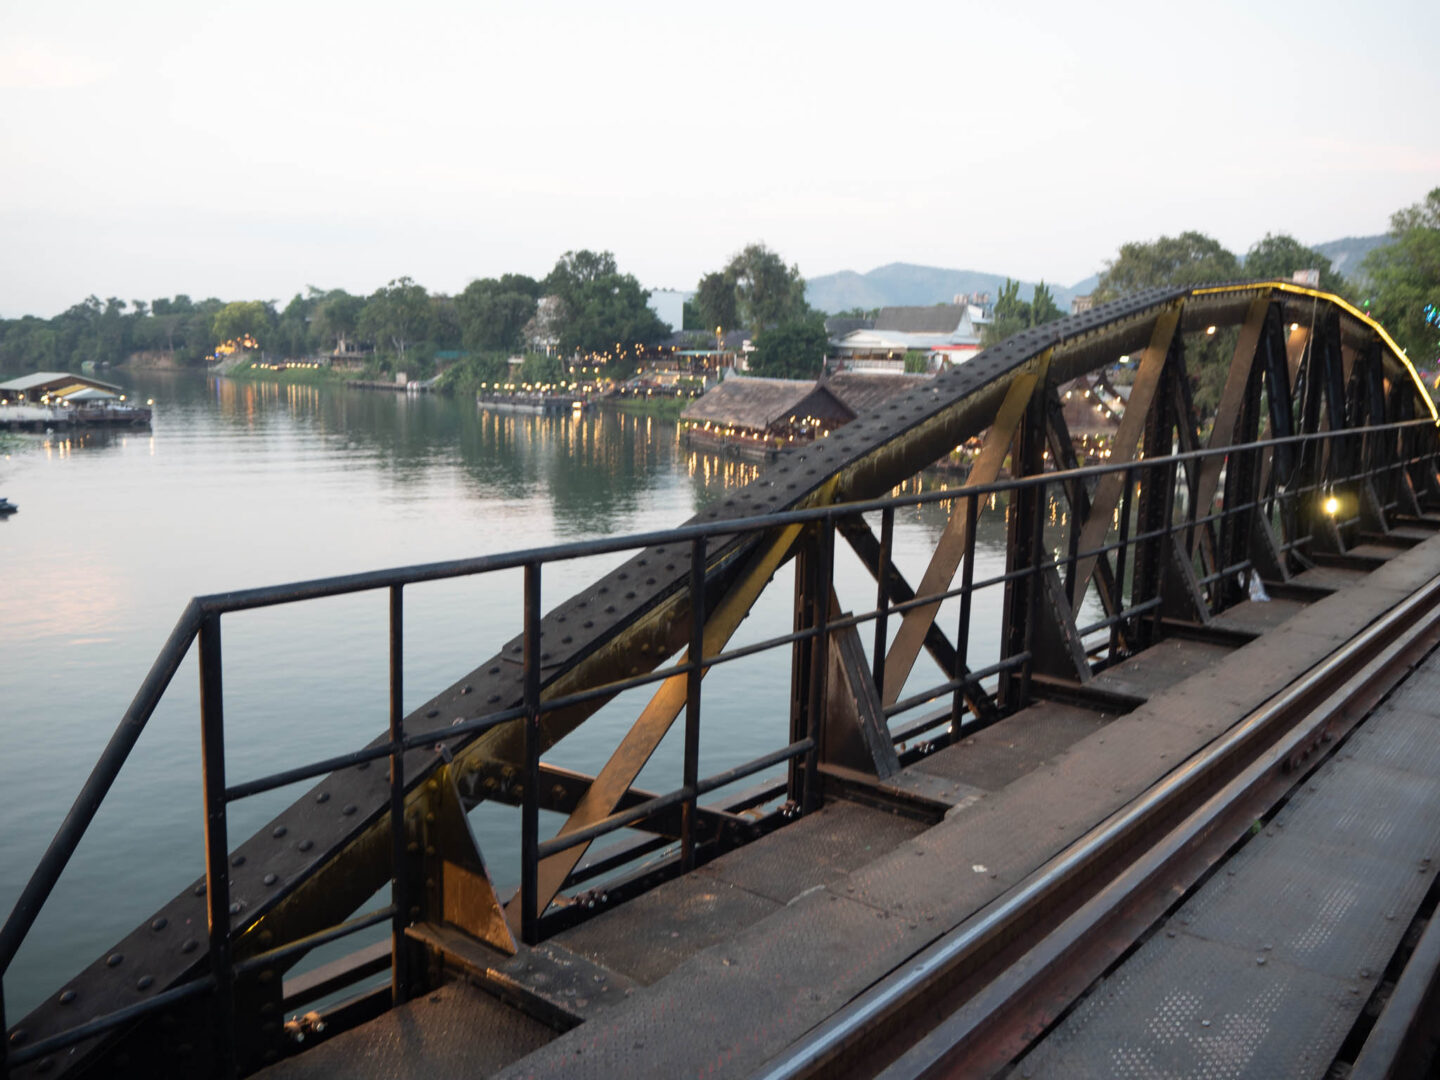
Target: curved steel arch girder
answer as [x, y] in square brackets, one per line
[318, 862]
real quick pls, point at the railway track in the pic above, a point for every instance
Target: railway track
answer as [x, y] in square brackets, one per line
[974, 1002]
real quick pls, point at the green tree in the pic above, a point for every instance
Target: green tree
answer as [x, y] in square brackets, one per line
[241, 317]
[397, 315]
[1278, 256]
[338, 316]
[1043, 308]
[793, 350]
[1188, 259]
[493, 314]
[600, 307]
[916, 362]
[1010, 315]
[716, 302]
[755, 289]
[1404, 279]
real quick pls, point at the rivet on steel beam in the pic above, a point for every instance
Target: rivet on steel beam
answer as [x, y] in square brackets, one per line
[115, 959]
[189, 946]
[144, 982]
[46, 1065]
[238, 860]
[199, 890]
[159, 923]
[466, 689]
[236, 908]
[18, 1037]
[278, 831]
[432, 714]
[67, 996]
[494, 670]
[349, 809]
[305, 845]
[270, 879]
[323, 797]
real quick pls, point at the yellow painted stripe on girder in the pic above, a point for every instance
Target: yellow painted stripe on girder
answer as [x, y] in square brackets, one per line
[1303, 290]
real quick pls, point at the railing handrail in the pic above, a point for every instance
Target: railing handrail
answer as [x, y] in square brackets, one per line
[317, 588]
[177, 645]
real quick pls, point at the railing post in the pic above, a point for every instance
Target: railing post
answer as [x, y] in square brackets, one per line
[530, 806]
[217, 849]
[882, 599]
[1032, 590]
[962, 634]
[692, 702]
[1121, 554]
[4, 1034]
[399, 880]
[819, 655]
[1167, 542]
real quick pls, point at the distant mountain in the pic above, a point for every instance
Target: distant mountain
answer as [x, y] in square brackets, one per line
[1346, 255]
[901, 284]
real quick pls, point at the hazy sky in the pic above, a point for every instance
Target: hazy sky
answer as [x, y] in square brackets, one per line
[245, 150]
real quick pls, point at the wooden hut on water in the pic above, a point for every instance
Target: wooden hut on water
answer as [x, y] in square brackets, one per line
[754, 418]
[863, 391]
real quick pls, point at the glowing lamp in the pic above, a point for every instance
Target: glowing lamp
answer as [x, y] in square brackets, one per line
[1331, 505]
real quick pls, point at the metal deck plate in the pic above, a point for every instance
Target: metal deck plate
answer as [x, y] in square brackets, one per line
[647, 937]
[818, 849]
[455, 1031]
[1257, 616]
[1228, 1017]
[725, 1011]
[1161, 666]
[1263, 972]
[994, 757]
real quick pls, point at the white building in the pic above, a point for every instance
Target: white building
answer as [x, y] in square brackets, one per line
[946, 333]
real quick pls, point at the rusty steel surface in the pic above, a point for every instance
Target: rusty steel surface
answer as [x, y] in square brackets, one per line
[330, 851]
[1265, 970]
[930, 884]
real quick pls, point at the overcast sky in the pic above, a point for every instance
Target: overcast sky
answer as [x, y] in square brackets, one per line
[245, 150]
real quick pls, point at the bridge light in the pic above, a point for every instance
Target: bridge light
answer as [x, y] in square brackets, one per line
[1332, 505]
[1210, 330]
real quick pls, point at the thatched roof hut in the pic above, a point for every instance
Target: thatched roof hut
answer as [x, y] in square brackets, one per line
[765, 405]
[866, 390]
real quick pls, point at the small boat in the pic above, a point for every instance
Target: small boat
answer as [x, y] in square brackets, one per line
[7, 507]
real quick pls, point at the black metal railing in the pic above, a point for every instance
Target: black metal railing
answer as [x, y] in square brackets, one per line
[1284, 503]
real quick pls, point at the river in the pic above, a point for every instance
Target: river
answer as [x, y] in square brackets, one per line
[242, 484]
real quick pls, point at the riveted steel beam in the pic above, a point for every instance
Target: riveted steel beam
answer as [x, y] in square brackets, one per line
[325, 855]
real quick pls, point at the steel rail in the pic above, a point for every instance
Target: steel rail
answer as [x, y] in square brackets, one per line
[209, 608]
[1019, 909]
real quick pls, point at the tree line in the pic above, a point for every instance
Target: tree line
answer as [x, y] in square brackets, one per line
[585, 303]
[1398, 284]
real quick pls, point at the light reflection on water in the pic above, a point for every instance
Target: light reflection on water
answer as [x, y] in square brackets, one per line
[244, 484]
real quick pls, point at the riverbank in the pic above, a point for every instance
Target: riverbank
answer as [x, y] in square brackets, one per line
[667, 408]
[292, 373]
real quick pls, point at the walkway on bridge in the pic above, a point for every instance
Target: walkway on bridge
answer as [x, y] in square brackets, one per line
[717, 972]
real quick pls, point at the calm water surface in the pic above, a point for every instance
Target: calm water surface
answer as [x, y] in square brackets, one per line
[247, 484]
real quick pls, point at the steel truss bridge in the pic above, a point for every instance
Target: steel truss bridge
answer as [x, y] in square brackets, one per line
[1313, 484]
